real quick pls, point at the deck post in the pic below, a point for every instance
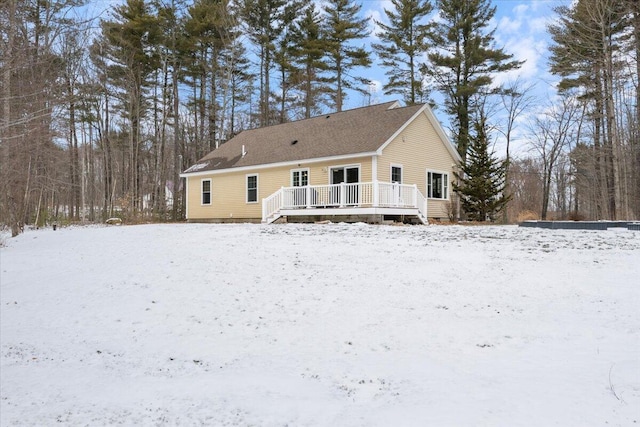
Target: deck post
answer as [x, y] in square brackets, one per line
[308, 196]
[343, 194]
[426, 206]
[376, 193]
[414, 200]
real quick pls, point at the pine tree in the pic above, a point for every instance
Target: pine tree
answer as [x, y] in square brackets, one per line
[588, 39]
[402, 43]
[130, 45]
[265, 20]
[307, 58]
[466, 61]
[283, 57]
[481, 183]
[342, 28]
[240, 86]
[208, 32]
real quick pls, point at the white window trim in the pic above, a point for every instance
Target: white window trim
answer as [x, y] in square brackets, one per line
[291, 171]
[448, 183]
[354, 165]
[202, 203]
[395, 165]
[246, 188]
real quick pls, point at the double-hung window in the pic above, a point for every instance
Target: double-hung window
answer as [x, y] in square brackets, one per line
[299, 177]
[437, 185]
[252, 188]
[396, 174]
[206, 192]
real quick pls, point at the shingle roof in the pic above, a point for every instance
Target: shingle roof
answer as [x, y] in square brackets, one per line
[362, 130]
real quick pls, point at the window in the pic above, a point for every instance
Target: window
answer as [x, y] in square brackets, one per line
[346, 174]
[252, 188]
[396, 174]
[299, 177]
[206, 191]
[437, 185]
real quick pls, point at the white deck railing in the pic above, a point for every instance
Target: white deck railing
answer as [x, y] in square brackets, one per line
[271, 205]
[358, 195]
[421, 203]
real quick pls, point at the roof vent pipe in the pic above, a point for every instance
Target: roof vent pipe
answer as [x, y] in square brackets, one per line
[244, 152]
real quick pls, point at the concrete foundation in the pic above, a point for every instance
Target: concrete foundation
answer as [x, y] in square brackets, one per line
[579, 225]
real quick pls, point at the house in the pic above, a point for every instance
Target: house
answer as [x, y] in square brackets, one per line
[147, 199]
[368, 164]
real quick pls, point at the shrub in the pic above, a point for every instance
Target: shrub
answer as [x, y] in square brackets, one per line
[576, 216]
[527, 216]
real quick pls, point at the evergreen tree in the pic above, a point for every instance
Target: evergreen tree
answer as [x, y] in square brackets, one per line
[307, 57]
[240, 86]
[175, 55]
[265, 21]
[130, 40]
[283, 57]
[463, 65]
[588, 40]
[342, 28]
[481, 183]
[402, 43]
[208, 31]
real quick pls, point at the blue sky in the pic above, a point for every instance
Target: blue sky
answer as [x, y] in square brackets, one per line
[521, 30]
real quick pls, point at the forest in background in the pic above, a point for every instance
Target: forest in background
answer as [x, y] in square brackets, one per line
[99, 116]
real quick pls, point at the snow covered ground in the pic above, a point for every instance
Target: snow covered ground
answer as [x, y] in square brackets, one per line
[320, 325]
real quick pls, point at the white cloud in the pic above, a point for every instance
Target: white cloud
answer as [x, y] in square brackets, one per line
[374, 28]
[539, 24]
[377, 13]
[508, 25]
[523, 33]
[320, 5]
[384, 4]
[521, 9]
[437, 17]
[375, 86]
[530, 50]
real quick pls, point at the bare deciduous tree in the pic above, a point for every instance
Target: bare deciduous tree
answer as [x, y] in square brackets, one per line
[551, 133]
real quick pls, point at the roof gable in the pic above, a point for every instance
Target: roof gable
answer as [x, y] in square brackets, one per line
[359, 131]
[436, 126]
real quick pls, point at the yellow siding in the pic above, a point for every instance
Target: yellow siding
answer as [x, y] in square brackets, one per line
[228, 190]
[418, 148]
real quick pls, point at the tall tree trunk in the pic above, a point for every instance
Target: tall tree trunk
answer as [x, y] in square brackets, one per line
[635, 131]
[602, 206]
[202, 147]
[266, 113]
[611, 134]
[213, 110]
[5, 124]
[339, 86]
[91, 175]
[177, 166]
[308, 92]
[74, 199]
[109, 181]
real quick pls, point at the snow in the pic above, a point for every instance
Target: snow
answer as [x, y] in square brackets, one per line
[320, 325]
[197, 167]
